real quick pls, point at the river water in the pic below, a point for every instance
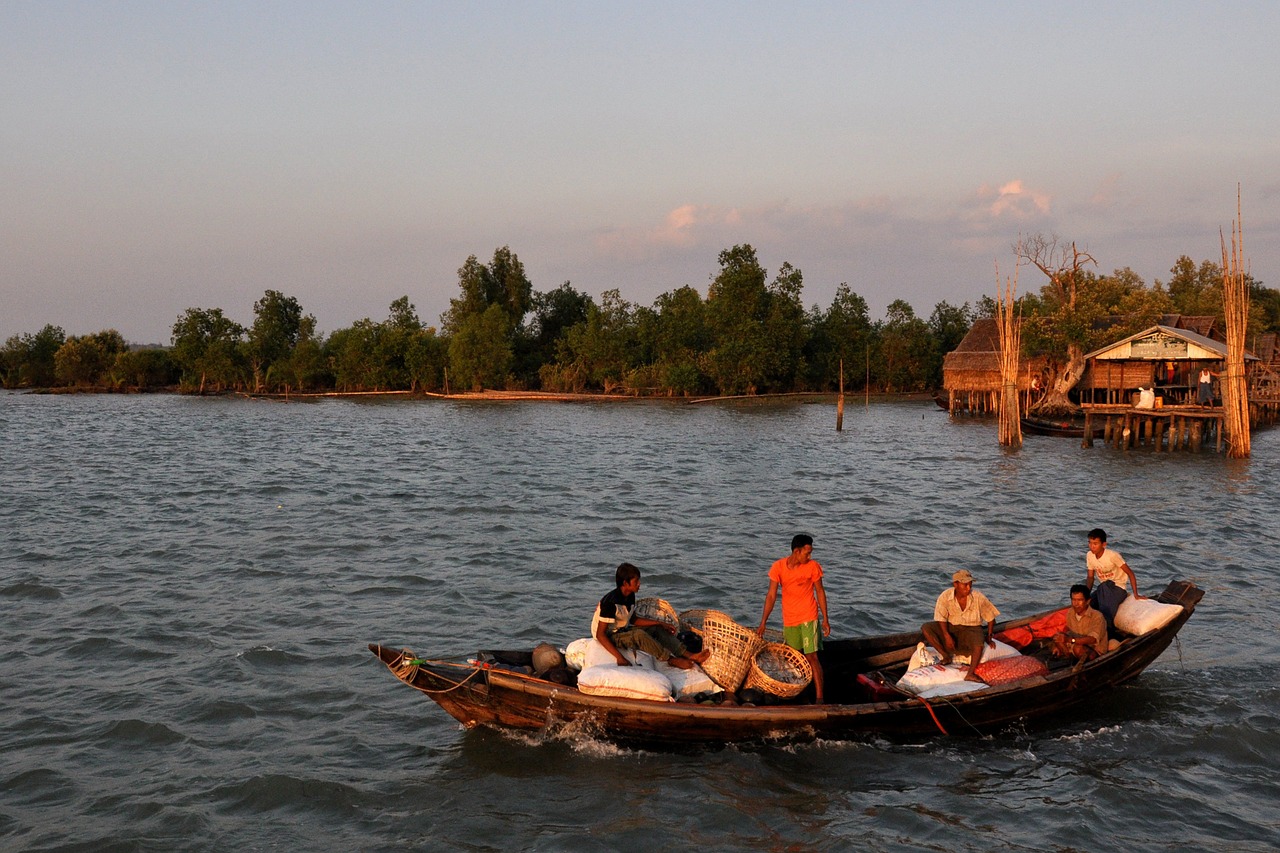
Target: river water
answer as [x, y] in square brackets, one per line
[187, 587]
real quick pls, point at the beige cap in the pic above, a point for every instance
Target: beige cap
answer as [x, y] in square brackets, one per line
[963, 576]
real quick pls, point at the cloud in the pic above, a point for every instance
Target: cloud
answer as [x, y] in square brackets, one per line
[684, 227]
[1014, 200]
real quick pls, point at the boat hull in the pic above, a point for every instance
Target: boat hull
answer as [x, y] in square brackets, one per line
[482, 695]
[1060, 429]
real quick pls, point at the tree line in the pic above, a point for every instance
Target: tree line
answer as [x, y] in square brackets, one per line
[750, 334]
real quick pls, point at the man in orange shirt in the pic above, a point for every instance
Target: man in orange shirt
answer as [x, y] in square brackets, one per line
[802, 599]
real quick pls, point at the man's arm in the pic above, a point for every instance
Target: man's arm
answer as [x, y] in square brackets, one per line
[769, 600]
[1133, 579]
[602, 637]
[645, 622]
[822, 607]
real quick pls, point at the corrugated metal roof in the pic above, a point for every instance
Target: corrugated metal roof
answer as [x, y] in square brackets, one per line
[1184, 334]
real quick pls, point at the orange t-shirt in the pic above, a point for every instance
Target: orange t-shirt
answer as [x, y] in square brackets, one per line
[799, 605]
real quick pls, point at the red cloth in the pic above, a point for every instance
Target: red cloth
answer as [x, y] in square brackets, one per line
[1003, 670]
[1019, 638]
[1047, 626]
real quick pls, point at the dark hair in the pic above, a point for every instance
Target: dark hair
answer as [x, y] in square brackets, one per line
[1099, 534]
[800, 540]
[625, 573]
[1080, 588]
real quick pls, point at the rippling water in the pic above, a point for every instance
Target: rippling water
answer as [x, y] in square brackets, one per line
[187, 587]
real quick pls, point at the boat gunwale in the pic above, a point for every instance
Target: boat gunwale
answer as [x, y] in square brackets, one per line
[1108, 668]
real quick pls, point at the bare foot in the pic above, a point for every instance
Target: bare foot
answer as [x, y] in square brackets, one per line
[681, 663]
[700, 657]
[972, 677]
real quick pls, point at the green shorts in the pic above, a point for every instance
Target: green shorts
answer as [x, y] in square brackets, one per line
[803, 638]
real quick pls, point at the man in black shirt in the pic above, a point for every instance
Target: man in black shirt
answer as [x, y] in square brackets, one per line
[615, 628]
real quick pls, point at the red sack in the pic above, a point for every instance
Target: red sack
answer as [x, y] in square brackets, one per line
[1004, 670]
[1047, 626]
[1019, 638]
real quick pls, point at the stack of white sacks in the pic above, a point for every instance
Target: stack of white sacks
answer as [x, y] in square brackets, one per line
[929, 679]
[647, 678]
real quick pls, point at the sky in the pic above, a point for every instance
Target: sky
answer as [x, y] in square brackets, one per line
[160, 156]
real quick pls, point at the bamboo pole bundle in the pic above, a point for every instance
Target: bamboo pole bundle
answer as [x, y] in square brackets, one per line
[1235, 303]
[1010, 349]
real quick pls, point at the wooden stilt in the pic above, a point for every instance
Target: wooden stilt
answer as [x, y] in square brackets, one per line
[840, 402]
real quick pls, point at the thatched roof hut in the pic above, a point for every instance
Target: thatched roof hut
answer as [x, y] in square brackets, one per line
[971, 372]
[974, 365]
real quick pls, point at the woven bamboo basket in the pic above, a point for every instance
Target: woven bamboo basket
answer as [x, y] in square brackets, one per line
[692, 620]
[657, 609]
[732, 647]
[695, 620]
[779, 669]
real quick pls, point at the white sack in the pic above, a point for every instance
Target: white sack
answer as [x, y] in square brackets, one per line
[628, 682]
[1001, 650]
[955, 688]
[587, 652]
[917, 681]
[1138, 617]
[925, 655]
[575, 654]
[688, 682]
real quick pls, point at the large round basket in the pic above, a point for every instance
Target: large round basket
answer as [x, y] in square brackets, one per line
[657, 609]
[779, 669]
[732, 647]
[695, 620]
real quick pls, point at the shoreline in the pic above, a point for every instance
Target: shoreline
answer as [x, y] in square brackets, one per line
[510, 396]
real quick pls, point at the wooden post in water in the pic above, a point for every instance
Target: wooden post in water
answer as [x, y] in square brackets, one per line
[840, 401]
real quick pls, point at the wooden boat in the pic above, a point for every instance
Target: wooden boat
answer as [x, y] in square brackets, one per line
[483, 693]
[1060, 427]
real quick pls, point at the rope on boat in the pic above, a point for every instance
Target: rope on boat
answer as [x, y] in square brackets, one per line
[474, 672]
[929, 708]
[406, 666]
[954, 707]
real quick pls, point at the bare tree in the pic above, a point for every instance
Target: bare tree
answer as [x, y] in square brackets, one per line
[1063, 264]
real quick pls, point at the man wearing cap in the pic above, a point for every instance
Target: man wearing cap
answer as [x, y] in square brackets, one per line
[957, 625]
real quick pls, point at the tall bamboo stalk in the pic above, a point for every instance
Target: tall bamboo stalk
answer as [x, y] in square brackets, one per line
[1010, 349]
[1235, 303]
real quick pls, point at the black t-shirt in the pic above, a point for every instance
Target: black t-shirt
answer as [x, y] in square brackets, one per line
[617, 607]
